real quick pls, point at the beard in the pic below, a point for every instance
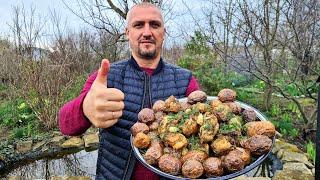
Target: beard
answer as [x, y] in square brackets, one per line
[148, 54]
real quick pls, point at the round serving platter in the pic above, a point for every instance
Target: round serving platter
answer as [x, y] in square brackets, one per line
[249, 167]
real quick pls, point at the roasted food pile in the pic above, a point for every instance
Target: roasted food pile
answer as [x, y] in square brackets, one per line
[199, 138]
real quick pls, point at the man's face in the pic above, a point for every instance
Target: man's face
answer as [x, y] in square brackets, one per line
[145, 32]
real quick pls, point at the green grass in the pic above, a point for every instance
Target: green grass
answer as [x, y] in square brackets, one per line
[16, 113]
[18, 118]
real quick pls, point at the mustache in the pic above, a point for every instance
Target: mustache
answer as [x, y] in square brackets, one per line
[147, 41]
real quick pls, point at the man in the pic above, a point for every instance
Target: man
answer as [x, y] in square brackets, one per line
[112, 97]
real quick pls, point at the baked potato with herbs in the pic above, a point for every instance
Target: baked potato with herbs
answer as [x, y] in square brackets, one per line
[169, 164]
[200, 138]
[192, 169]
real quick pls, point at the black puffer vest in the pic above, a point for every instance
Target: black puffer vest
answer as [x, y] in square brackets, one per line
[115, 157]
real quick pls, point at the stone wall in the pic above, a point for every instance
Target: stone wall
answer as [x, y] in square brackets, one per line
[31, 150]
[296, 164]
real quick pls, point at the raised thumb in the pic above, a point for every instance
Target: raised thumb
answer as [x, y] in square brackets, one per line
[103, 71]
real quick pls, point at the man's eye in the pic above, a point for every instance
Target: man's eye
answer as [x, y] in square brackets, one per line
[137, 25]
[155, 25]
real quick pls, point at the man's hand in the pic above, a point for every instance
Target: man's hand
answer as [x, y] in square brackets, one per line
[102, 105]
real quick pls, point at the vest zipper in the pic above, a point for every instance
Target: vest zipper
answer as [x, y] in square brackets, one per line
[145, 91]
[128, 163]
[149, 101]
[146, 81]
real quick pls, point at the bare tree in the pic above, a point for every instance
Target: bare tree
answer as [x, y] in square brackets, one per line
[243, 34]
[39, 75]
[299, 35]
[276, 33]
[300, 31]
[258, 29]
[6, 68]
[220, 28]
[269, 39]
[110, 15]
[27, 29]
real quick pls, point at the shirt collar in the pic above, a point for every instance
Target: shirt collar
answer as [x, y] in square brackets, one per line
[134, 63]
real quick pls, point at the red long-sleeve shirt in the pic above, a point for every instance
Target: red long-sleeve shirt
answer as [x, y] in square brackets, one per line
[72, 120]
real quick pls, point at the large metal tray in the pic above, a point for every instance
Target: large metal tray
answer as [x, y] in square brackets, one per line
[251, 166]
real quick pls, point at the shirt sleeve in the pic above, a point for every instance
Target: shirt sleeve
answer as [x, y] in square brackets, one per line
[193, 86]
[72, 120]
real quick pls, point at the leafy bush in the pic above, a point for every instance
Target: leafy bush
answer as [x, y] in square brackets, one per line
[250, 98]
[260, 85]
[311, 150]
[32, 129]
[275, 110]
[206, 66]
[292, 89]
[17, 116]
[16, 113]
[283, 121]
[298, 87]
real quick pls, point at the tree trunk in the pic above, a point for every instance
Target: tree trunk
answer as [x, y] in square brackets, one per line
[306, 62]
[267, 96]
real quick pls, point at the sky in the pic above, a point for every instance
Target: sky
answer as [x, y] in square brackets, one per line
[43, 8]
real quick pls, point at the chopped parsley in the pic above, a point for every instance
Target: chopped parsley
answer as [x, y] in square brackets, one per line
[227, 128]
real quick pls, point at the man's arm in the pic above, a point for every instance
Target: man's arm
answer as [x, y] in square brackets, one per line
[193, 86]
[72, 120]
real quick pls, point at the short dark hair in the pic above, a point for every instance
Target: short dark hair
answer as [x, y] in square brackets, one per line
[144, 5]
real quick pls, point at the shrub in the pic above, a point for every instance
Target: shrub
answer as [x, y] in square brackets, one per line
[206, 66]
[283, 121]
[311, 150]
[16, 113]
[17, 116]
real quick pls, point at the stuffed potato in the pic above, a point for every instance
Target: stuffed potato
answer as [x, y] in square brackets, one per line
[198, 139]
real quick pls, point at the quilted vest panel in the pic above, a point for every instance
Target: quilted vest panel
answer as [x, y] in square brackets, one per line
[115, 157]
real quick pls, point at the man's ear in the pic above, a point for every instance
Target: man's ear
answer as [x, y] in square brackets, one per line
[127, 33]
[165, 34]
